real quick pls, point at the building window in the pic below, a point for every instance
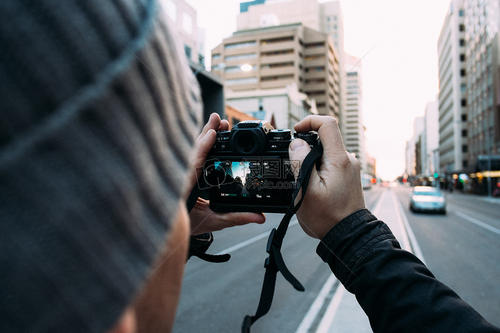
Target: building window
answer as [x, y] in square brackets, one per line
[461, 27]
[237, 69]
[317, 44]
[277, 77]
[320, 80]
[240, 45]
[187, 51]
[463, 88]
[277, 65]
[217, 67]
[464, 162]
[246, 80]
[462, 42]
[314, 57]
[241, 56]
[315, 69]
[462, 72]
[461, 13]
[462, 57]
[464, 133]
[276, 40]
[464, 148]
[201, 59]
[276, 53]
[215, 56]
[464, 117]
[463, 102]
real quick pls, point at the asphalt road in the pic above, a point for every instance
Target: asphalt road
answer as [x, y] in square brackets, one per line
[463, 254]
[216, 297]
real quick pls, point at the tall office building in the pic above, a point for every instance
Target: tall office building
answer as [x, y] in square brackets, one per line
[277, 56]
[482, 25]
[413, 149]
[184, 19]
[354, 132]
[430, 139]
[452, 90]
[325, 17]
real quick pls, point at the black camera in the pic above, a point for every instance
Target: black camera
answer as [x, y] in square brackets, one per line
[248, 168]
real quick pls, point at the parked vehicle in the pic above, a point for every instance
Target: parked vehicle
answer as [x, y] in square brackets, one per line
[427, 198]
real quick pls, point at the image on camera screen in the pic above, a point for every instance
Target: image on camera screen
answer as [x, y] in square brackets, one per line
[252, 179]
[243, 179]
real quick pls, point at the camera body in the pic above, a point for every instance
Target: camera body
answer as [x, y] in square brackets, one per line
[248, 168]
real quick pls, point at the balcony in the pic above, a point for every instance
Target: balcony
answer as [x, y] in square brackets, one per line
[272, 59]
[278, 46]
[279, 83]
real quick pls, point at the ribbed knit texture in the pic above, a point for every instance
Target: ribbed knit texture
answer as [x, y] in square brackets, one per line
[98, 117]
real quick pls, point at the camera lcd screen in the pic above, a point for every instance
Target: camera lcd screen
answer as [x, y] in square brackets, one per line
[259, 181]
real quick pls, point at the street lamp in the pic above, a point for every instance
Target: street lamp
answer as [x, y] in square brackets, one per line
[246, 67]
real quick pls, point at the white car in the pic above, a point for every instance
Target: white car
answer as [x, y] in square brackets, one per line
[427, 198]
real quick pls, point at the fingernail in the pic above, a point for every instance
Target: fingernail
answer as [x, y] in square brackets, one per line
[297, 144]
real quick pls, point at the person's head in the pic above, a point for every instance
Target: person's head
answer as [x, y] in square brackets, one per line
[97, 127]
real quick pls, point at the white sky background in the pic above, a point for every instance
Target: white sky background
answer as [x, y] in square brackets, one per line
[398, 42]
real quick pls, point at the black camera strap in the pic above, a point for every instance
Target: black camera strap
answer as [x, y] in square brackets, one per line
[274, 262]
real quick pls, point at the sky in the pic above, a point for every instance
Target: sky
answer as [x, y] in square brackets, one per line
[397, 41]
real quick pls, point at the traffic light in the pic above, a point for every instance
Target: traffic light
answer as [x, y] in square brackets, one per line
[436, 175]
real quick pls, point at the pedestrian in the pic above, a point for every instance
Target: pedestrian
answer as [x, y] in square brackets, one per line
[99, 142]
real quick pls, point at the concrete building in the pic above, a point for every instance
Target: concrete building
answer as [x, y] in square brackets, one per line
[452, 90]
[282, 107]
[354, 131]
[430, 139]
[325, 17]
[482, 26]
[371, 166]
[413, 156]
[184, 19]
[277, 56]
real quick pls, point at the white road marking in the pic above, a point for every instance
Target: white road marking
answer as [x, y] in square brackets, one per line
[252, 240]
[330, 312]
[413, 240]
[316, 306]
[477, 222]
[406, 242]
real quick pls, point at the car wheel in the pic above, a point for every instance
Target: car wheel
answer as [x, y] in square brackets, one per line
[443, 212]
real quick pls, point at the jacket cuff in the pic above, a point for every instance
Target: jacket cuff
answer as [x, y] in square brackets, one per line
[352, 240]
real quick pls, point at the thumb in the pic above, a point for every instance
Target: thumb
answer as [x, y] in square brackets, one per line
[298, 151]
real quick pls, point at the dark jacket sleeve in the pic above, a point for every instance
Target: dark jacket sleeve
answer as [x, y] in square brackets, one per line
[395, 289]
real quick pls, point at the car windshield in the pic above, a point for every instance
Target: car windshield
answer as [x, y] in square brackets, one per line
[433, 193]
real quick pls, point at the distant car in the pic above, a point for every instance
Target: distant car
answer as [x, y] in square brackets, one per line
[427, 198]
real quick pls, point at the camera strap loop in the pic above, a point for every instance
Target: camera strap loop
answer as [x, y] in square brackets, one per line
[275, 262]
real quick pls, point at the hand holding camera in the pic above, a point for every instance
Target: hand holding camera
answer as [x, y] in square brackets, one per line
[334, 191]
[202, 218]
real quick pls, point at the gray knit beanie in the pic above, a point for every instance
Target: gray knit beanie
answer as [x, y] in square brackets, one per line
[98, 116]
